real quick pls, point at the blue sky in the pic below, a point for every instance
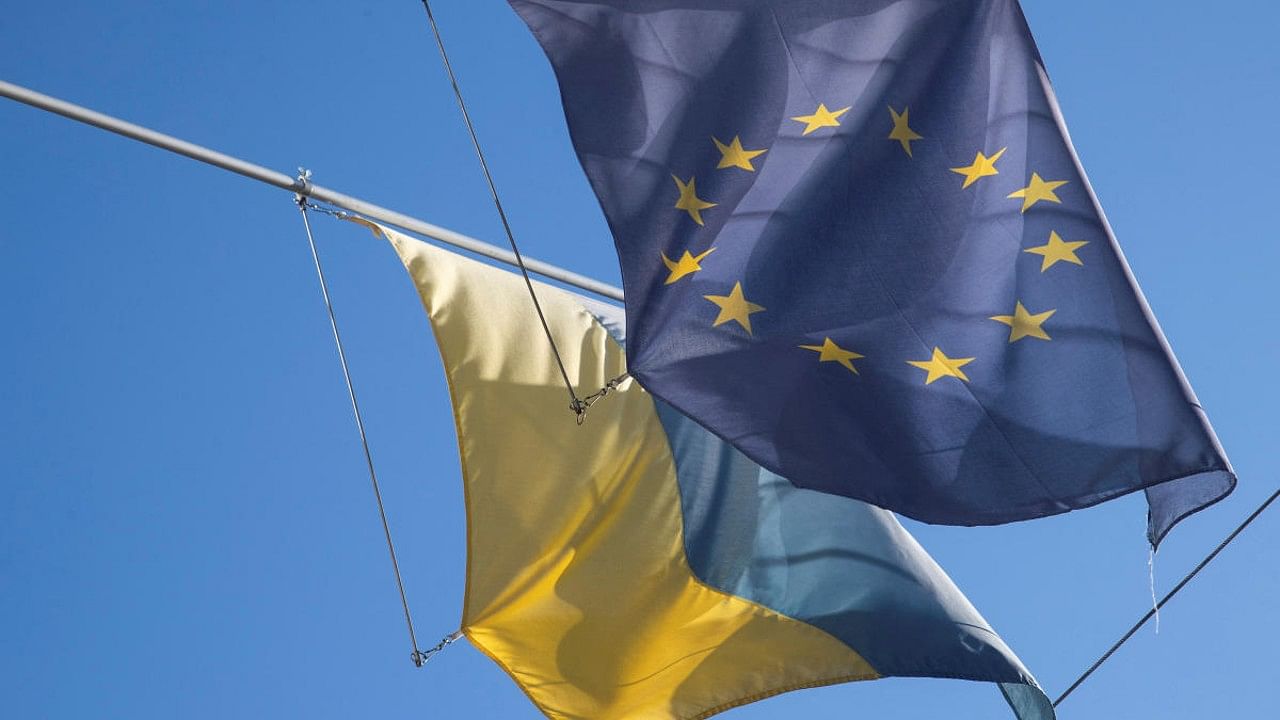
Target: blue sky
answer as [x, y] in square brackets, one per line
[186, 527]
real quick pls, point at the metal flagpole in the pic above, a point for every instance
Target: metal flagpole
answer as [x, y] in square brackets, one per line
[301, 187]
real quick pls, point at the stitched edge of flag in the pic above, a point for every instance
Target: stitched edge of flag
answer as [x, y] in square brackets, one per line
[394, 242]
[701, 714]
[779, 691]
[640, 376]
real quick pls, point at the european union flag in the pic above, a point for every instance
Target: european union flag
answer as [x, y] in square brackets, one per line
[857, 244]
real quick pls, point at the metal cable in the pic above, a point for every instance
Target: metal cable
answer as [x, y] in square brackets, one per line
[419, 658]
[575, 403]
[1208, 558]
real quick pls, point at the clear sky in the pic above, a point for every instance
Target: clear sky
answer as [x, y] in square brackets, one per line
[186, 526]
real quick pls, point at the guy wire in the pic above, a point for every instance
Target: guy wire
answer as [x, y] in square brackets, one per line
[418, 657]
[575, 404]
[1208, 559]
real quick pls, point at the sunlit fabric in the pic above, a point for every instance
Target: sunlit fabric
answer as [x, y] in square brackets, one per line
[857, 244]
[636, 566]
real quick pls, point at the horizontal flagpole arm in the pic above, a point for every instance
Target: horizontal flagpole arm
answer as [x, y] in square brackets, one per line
[285, 182]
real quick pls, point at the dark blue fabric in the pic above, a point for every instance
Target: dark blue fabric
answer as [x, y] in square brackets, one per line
[841, 234]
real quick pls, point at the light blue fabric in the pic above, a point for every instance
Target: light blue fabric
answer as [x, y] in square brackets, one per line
[842, 565]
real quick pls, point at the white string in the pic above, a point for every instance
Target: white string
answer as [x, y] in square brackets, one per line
[1151, 574]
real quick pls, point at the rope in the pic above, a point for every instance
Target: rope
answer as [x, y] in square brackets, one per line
[1208, 559]
[418, 657]
[575, 403]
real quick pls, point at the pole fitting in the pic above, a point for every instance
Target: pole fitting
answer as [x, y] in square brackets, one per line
[302, 186]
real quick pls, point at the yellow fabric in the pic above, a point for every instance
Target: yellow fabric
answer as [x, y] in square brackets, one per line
[577, 582]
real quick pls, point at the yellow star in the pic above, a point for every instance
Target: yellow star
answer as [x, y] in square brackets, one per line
[1056, 250]
[822, 117]
[982, 166]
[902, 132]
[828, 351]
[689, 200]
[940, 366]
[1038, 190]
[1024, 324]
[733, 155]
[735, 307]
[686, 265]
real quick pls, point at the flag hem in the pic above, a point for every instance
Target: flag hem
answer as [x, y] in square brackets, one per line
[1222, 466]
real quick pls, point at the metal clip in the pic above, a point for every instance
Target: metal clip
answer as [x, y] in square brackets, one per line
[580, 407]
[420, 658]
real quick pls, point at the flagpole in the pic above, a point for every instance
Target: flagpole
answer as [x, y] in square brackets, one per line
[301, 187]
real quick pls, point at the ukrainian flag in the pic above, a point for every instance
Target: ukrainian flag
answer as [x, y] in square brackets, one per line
[638, 567]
